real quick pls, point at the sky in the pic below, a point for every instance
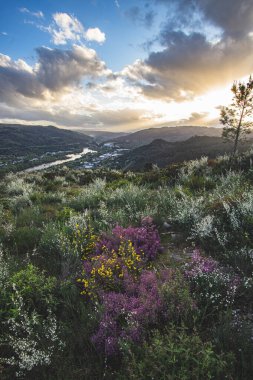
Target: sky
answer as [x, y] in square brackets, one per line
[122, 65]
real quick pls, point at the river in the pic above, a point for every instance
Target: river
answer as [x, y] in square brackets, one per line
[70, 157]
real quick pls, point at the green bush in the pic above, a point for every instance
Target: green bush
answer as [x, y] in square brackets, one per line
[30, 336]
[49, 249]
[36, 289]
[234, 333]
[25, 239]
[175, 355]
[177, 297]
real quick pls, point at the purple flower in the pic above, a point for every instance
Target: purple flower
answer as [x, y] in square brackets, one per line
[126, 316]
[145, 239]
[200, 265]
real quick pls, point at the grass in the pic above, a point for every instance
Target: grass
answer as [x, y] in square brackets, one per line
[49, 224]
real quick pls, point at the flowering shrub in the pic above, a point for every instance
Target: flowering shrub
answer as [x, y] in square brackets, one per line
[127, 316]
[145, 239]
[31, 340]
[109, 259]
[31, 333]
[212, 284]
[107, 270]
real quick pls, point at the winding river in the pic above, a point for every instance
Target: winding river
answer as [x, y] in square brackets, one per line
[70, 157]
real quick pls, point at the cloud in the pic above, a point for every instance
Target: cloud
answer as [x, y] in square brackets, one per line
[124, 119]
[116, 2]
[191, 61]
[197, 50]
[95, 34]
[55, 73]
[37, 14]
[57, 69]
[51, 91]
[4, 33]
[66, 28]
[234, 17]
[196, 118]
[138, 15]
[17, 78]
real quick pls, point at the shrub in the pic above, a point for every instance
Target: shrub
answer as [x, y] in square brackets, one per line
[20, 202]
[176, 295]
[128, 316]
[213, 286]
[31, 334]
[108, 259]
[50, 249]
[233, 333]
[175, 354]
[90, 196]
[26, 239]
[36, 290]
[145, 239]
[29, 340]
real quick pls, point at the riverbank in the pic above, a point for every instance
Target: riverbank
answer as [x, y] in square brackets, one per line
[70, 157]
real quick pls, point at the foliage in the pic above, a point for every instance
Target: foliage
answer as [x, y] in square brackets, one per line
[87, 291]
[236, 118]
[214, 287]
[108, 260]
[175, 354]
[127, 315]
[30, 331]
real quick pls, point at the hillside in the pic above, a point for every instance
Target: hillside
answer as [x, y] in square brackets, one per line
[102, 136]
[23, 139]
[171, 134]
[163, 153]
[112, 275]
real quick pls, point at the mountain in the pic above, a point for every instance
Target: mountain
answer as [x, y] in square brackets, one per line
[163, 153]
[102, 136]
[172, 134]
[23, 139]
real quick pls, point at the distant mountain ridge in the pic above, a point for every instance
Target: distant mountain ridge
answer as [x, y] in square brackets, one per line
[102, 136]
[22, 139]
[171, 134]
[163, 153]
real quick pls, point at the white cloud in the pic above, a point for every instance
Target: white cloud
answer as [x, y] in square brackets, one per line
[67, 28]
[37, 14]
[95, 34]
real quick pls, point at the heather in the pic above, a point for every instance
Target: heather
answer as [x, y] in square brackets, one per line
[108, 274]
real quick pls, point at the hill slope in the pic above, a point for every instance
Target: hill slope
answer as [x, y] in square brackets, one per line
[23, 139]
[172, 134]
[101, 136]
[162, 153]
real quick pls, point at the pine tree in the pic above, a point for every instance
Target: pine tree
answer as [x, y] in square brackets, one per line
[237, 117]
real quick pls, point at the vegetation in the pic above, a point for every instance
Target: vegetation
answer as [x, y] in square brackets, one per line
[236, 118]
[23, 146]
[107, 274]
[162, 153]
